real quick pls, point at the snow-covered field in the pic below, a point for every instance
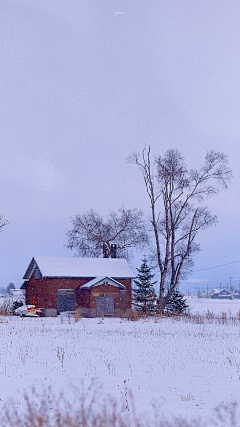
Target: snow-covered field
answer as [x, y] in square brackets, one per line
[180, 368]
[203, 305]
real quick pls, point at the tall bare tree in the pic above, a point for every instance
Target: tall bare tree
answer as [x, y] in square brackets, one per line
[93, 236]
[176, 197]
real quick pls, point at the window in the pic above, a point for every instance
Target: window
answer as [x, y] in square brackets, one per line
[105, 283]
[36, 273]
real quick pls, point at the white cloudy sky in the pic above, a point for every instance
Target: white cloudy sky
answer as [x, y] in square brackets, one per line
[81, 87]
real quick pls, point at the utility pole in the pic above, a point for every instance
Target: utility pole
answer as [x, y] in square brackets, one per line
[207, 291]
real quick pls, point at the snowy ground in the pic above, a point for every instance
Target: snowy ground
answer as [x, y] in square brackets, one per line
[182, 368]
[203, 305]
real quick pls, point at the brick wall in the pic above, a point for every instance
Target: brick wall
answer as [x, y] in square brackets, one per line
[44, 290]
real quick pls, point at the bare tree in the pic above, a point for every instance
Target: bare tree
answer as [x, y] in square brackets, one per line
[9, 288]
[3, 222]
[176, 196]
[93, 236]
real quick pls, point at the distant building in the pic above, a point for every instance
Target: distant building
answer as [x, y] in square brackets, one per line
[224, 294]
[235, 295]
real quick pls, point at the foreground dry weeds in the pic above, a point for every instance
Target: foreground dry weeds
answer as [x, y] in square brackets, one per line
[89, 410]
[47, 410]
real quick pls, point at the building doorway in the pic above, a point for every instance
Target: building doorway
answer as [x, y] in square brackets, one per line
[105, 305]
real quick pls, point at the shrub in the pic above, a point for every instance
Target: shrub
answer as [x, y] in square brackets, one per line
[47, 410]
[130, 314]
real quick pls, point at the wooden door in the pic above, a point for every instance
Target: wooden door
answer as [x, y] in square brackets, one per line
[105, 305]
[109, 306]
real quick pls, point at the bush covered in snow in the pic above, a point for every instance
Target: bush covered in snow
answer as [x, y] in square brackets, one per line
[11, 301]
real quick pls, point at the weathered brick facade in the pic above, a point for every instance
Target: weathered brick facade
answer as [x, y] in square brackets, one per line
[44, 292]
[87, 297]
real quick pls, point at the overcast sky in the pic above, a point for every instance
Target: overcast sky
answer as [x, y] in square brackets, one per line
[83, 86]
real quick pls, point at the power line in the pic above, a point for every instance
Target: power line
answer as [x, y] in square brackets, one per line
[217, 266]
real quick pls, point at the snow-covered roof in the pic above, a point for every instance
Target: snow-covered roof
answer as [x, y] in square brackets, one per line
[99, 280]
[80, 267]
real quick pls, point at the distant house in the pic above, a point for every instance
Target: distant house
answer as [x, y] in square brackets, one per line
[95, 285]
[215, 293]
[224, 294]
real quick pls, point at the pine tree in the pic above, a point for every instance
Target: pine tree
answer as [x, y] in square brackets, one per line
[176, 304]
[144, 296]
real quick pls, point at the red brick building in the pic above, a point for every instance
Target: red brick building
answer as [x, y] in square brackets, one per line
[95, 285]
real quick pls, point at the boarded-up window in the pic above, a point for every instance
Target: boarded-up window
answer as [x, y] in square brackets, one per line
[37, 274]
[66, 300]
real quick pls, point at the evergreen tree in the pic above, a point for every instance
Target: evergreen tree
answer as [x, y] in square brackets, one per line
[144, 296]
[176, 304]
